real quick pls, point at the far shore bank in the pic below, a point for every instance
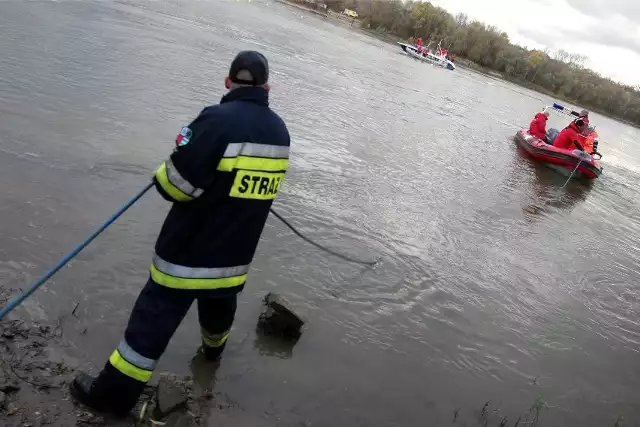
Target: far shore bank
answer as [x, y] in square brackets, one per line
[303, 7]
[463, 63]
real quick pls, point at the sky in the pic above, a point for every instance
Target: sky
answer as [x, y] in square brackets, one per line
[606, 31]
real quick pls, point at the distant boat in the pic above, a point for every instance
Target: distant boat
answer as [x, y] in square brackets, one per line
[431, 58]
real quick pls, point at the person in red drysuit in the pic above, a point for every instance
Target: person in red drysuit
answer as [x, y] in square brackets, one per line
[570, 136]
[584, 115]
[419, 45]
[538, 126]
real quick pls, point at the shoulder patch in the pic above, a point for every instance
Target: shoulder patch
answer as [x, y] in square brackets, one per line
[184, 136]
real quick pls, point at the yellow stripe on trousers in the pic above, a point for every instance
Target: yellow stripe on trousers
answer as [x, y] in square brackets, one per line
[196, 283]
[211, 342]
[118, 362]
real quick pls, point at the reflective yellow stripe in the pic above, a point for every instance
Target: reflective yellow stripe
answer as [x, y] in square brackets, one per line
[171, 190]
[130, 370]
[228, 164]
[214, 340]
[256, 185]
[195, 283]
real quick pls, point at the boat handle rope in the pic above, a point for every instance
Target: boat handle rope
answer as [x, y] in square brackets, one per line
[19, 298]
[574, 171]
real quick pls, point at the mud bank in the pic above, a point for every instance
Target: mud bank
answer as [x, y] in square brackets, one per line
[35, 378]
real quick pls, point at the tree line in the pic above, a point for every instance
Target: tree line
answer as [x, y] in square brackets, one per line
[557, 72]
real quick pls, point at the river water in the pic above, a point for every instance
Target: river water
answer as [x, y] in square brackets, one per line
[494, 283]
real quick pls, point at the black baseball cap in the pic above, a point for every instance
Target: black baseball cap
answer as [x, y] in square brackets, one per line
[253, 62]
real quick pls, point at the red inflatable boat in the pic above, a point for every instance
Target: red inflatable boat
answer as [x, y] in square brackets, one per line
[564, 161]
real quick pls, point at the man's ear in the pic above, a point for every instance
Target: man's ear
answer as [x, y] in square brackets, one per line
[267, 87]
[227, 82]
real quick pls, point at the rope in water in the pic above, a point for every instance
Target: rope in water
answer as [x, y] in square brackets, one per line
[19, 298]
[318, 245]
[574, 171]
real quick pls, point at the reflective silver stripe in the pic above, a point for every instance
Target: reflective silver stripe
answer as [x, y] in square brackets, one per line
[257, 150]
[135, 358]
[233, 150]
[198, 272]
[181, 183]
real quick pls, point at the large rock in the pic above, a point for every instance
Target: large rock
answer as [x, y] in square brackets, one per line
[278, 318]
[171, 395]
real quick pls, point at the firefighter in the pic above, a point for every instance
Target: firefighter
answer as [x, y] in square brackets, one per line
[584, 115]
[221, 179]
[538, 126]
[570, 137]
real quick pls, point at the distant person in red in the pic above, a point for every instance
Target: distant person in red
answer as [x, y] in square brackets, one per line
[538, 126]
[570, 136]
[419, 45]
[584, 115]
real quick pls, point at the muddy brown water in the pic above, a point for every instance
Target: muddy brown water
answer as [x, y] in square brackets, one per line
[494, 283]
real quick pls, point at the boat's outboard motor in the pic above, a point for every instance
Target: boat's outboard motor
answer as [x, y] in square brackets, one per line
[552, 134]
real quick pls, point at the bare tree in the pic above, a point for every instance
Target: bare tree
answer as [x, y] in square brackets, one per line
[560, 55]
[576, 60]
[462, 19]
[559, 71]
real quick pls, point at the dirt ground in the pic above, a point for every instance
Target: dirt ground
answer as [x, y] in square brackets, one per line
[34, 386]
[35, 376]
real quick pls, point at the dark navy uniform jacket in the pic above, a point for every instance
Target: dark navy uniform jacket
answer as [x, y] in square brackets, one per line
[222, 178]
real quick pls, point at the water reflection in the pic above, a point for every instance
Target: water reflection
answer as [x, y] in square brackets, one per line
[270, 345]
[203, 373]
[484, 251]
[546, 192]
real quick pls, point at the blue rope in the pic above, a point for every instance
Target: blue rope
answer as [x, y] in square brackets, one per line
[18, 299]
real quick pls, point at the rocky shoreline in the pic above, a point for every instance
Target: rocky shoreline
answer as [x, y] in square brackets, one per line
[34, 388]
[34, 379]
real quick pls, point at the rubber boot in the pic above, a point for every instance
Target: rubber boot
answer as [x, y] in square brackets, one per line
[212, 354]
[203, 371]
[111, 392]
